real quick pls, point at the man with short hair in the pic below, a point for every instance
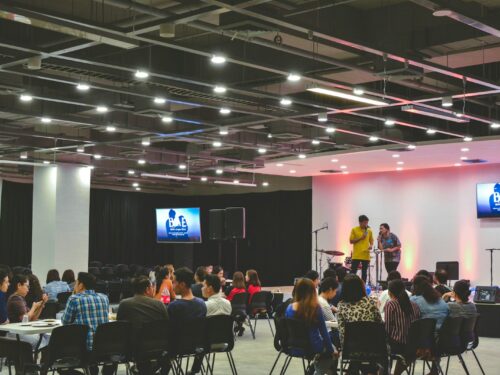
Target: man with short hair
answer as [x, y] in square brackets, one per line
[327, 291]
[314, 277]
[216, 304]
[199, 277]
[440, 279]
[362, 240]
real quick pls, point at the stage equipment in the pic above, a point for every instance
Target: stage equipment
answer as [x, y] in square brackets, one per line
[451, 269]
[325, 226]
[485, 294]
[491, 264]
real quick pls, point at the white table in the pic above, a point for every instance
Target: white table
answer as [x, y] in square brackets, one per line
[332, 324]
[31, 328]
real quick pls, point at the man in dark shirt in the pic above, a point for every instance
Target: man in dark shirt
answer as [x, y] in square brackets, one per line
[440, 279]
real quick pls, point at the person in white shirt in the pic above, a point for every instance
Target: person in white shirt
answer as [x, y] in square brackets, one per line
[384, 296]
[216, 303]
[327, 291]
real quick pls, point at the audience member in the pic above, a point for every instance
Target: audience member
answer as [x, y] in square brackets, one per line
[399, 313]
[164, 289]
[429, 301]
[216, 304]
[4, 287]
[199, 277]
[69, 278]
[35, 293]
[314, 277]
[341, 274]
[306, 307]
[238, 285]
[54, 285]
[253, 283]
[461, 307]
[209, 269]
[384, 297]
[440, 280]
[219, 271]
[330, 272]
[327, 290]
[424, 273]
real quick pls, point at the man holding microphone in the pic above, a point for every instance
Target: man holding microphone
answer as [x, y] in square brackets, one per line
[362, 240]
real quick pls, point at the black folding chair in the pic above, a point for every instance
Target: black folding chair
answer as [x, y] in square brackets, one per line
[189, 339]
[239, 310]
[470, 339]
[114, 291]
[62, 298]
[449, 341]
[17, 353]
[101, 286]
[50, 310]
[95, 264]
[67, 349]
[112, 344]
[420, 344]
[152, 344]
[220, 339]
[298, 345]
[364, 345]
[280, 340]
[259, 307]
[126, 289]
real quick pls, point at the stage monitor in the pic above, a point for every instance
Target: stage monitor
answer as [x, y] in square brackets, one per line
[485, 294]
[488, 200]
[178, 225]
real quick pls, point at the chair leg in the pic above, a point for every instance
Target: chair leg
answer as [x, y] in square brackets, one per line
[254, 325]
[478, 363]
[463, 364]
[231, 363]
[251, 327]
[270, 325]
[447, 365]
[285, 365]
[275, 363]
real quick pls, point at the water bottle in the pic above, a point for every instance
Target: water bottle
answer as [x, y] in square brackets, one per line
[26, 318]
[165, 296]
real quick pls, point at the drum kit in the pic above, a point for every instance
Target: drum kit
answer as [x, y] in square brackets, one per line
[347, 261]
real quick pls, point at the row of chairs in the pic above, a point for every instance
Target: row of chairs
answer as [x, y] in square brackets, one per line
[119, 343]
[366, 343]
[260, 306]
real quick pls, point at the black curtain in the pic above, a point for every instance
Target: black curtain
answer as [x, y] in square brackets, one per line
[16, 223]
[278, 232]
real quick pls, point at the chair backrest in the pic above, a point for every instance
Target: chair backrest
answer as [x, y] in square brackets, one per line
[449, 340]
[18, 352]
[101, 286]
[69, 344]
[62, 298]
[114, 291]
[364, 341]
[259, 301]
[468, 333]
[220, 331]
[281, 335]
[189, 337]
[476, 333]
[107, 273]
[95, 263]
[239, 303]
[50, 310]
[152, 340]
[127, 289]
[95, 271]
[298, 339]
[112, 342]
[420, 340]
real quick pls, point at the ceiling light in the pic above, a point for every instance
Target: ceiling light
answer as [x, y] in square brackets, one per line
[358, 91]
[373, 139]
[131, 171]
[293, 77]
[389, 122]
[223, 130]
[279, 165]
[463, 158]
[292, 171]
[141, 161]
[220, 89]
[216, 143]
[447, 101]
[400, 162]
[395, 156]
[285, 101]
[102, 109]
[334, 160]
[110, 128]
[495, 125]
[458, 114]
[347, 95]
[23, 155]
[219, 171]
[159, 100]
[46, 162]
[97, 156]
[26, 98]
[262, 150]
[315, 142]
[82, 87]
[218, 59]
[411, 147]
[265, 184]
[135, 184]
[235, 183]
[138, 188]
[167, 119]
[167, 176]
[345, 172]
[442, 13]
[467, 139]
[431, 131]
[330, 129]
[141, 74]
[343, 167]
[269, 135]
[302, 156]
[46, 120]
[457, 164]
[323, 117]
[204, 179]
[224, 111]
[399, 168]
[465, 149]
[80, 148]
[182, 166]
[146, 141]
[433, 112]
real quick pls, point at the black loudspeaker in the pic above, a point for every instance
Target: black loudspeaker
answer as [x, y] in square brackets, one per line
[451, 269]
[235, 223]
[216, 224]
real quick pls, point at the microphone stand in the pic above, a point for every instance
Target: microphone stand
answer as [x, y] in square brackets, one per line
[316, 243]
[491, 264]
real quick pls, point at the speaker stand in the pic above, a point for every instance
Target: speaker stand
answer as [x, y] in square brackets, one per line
[235, 254]
[220, 252]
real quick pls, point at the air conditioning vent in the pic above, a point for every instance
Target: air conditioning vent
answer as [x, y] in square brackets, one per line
[475, 161]
[330, 171]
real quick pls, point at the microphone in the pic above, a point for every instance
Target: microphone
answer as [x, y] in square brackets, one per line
[325, 225]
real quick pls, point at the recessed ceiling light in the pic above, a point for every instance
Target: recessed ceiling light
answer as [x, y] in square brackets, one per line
[131, 171]
[463, 158]
[236, 181]
[399, 168]
[442, 13]
[345, 172]
[159, 100]
[141, 74]
[447, 101]
[46, 120]
[216, 143]
[97, 156]
[141, 161]
[323, 117]
[220, 89]
[315, 142]
[182, 166]
[347, 95]
[279, 164]
[431, 131]
[219, 171]
[262, 150]
[395, 155]
[285, 101]
[204, 179]
[82, 87]
[495, 125]
[465, 149]
[373, 139]
[146, 141]
[358, 91]
[102, 109]
[459, 114]
[293, 77]
[389, 122]
[218, 59]
[334, 160]
[330, 129]
[265, 184]
[269, 135]
[167, 119]
[293, 171]
[46, 162]
[302, 156]
[411, 147]
[400, 162]
[457, 164]
[343, 167]
[25, 98]
[110, 128]
[138, 188]
[467, 139]
[224, 111]
[80, 148]
[135, 184]
[223, 130]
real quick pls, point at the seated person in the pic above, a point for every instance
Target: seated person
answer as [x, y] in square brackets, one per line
[440, 280]
[429, 301]
[314, 277]
[238, 285]
[164, 289]
[341, 274]
[54, 285]
[216, 303]
[4, 287]
[384, 297]
[253, 283]
[199, 277]
[327, 290]
[461, 307]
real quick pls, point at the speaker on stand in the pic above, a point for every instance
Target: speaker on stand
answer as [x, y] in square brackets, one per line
[235, 228]
[216, 225]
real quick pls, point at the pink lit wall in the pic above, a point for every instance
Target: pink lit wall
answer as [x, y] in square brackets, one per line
[432, 211]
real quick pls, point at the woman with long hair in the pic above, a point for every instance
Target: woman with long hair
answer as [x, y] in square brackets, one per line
[69, 278]
[306, 307]
[35, 293]
[429, 300]
[238, 285]
[253, 283]
[164, 287]
[54, 285]
[399, 314]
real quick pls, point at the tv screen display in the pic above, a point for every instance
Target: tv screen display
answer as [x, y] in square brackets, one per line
[178, 225]
[488, 200]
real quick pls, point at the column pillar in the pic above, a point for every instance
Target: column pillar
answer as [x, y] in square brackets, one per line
[61, 200]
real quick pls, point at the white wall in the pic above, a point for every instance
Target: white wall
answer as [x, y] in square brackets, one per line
[432, 211]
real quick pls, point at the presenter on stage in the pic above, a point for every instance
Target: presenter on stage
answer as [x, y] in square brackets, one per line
[389, 243]
[362, 240]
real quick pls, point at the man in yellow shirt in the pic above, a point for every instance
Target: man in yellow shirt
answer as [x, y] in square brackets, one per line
[362, 240]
